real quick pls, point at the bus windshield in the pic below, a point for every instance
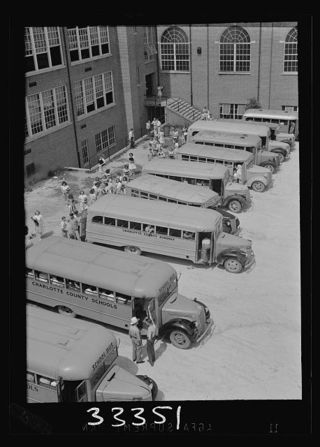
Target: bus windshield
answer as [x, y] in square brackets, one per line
[168, 289]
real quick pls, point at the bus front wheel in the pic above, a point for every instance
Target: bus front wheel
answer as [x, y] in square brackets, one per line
[180, 339]
[235, 206]
[132, 250]
[65, 311]
[258, 186]
[233, 265]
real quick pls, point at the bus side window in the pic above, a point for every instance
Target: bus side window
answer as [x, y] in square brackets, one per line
[31, 377]
[144, 195]
[188, 235]
[97, 219]
[122, 223]
[135, 226]
[185, 157]
[29, 273]
[175, 233]
[193, 158]
[162, 230]
[149, 229]
[108, 294]
[47, 381]
[202, 159]
[163, 199]
[109, 221]
[153, 197]
[40, 276]
[90, 290]
[229, 165]
[122, 298]
[172, 201]
[210, 160]
[73, 285]
[57, 280]
[228, 146]
[134, 193]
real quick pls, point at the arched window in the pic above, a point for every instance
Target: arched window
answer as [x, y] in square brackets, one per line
[291, 51]
[235, 50]
[174, 50]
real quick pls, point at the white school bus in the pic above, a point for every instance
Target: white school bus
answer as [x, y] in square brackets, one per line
[240, 127]
[255, 177]
[157, 188]
[72, 360]
[288, 122]
[248, 143]
[234, 196]
[105, 285]
[138, 225]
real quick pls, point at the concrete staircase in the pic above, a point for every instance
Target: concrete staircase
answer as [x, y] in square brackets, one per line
[184, 109]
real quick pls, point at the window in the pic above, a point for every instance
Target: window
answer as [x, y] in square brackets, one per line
[105, 139]
[97, 219]
[84, 151]
[89, 290]
[122, 223]
[144, 195]
[46, 110]
[88, 42]
[93, 93]
[172, 201]
[202, 159]
[57, 281]
[150, 49]
[174, 233]
[231, 111]
[162, 230]
[174, 50]
[188, 235]
[73, 285]
[122, 298]
[185, 157]
[109, 221]
[164, 199]
[193, 158]
[108, 294]
[29, 273]
[135, 226]
[46, 381]
[31, 377]
[289, 108]
[41, 276]
[42, 48]
[291, 51]
[235, 50]
[153, 197]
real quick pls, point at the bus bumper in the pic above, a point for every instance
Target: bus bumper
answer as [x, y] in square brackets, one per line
[250, 261]
[207, 333]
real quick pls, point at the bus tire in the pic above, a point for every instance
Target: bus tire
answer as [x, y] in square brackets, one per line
[133, 250]
[258, 186]
[235, 206]
[270, 167]
[66, 311]
[180, 339]
[233, 265]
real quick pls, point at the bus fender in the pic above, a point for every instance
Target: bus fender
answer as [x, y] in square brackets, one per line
[268, 162]
[241, 199]
[279, 150]
[184, 325]
[256, 178]
[231, 253]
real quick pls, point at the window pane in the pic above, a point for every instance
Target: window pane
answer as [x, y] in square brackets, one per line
[43, 61]
[39, 40]
[48, 108]
[55, 54]
[62, 104]
[34, 108]
[88, 88]
[174, 233]
[109, 221]
[122, 223]
[79, 98]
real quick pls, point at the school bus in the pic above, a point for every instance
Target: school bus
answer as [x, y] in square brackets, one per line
[249, 143]
[72, 360]
[157, 188]
[240, 127]
[138, 225]
[77, 278]
[288, 122]
[255, 177]
[234, 196]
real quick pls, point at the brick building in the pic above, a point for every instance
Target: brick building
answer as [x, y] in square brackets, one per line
[87, 86]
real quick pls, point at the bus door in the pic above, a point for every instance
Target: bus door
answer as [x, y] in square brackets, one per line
[154, 312]
[205, 247]
[81, 392]
[217, 186]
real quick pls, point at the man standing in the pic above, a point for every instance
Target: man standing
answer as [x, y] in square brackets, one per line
[135, 335]
[151, 337]
[131, 138]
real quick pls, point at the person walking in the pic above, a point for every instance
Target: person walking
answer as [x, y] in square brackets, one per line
[92, 195]
[65, 189]
[148, 128]
[72, 207]
[73, 232]
[131, 138]
[38, 223]
[151, 337]
[64, 226]
[102, 162]
[136, 340]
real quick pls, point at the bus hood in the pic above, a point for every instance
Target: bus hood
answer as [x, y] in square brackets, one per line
[235, 188]
[285, 137]
[120, 385]
[226, 240]
[280, 145]
[180, 306]
[267, 155]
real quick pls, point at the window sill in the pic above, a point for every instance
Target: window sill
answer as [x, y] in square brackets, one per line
[90, 59]
[94, 112]
[44, 70]
[290, 73]
[234, 72]
[175, 72]
[47, 132]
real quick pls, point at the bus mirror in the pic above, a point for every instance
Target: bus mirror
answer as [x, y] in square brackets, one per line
[178, 277]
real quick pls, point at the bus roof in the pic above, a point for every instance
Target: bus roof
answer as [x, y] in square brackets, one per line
[270, 113]
[228, 138]
[60, 346]
[100, 266]
[185, 169]
[220, 153]
[230, 126]
[173, 189]
[155, 212]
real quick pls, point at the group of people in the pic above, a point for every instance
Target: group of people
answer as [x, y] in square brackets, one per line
[205, 114]
[136, 339]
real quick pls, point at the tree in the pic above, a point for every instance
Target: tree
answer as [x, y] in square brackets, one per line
[253, 104]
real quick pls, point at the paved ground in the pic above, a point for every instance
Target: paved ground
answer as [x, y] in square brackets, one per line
[254, 352]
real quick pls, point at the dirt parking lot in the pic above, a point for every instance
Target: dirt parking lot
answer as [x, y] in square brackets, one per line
[254, 351]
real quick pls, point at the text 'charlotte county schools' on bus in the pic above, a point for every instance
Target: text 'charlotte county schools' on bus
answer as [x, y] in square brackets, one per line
[73, 360]
[105, 285]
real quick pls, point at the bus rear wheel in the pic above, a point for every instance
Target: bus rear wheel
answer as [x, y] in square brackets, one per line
[180, 339]
[233, 265]
[132, 250]
[258, 186]
[63, 310]
[235, 206]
